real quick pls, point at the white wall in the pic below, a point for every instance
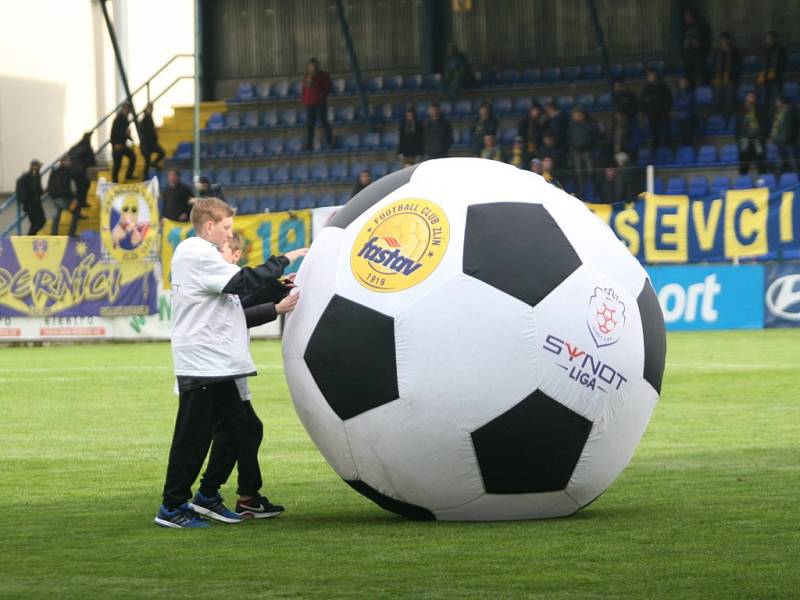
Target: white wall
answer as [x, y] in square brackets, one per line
[57, 72]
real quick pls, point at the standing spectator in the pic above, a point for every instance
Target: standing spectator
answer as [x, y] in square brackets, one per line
[582, 137]
[726, 71]
[696, 46]
[457, 73]
[438, 133]
[491, 150]
[536, 166]
[550, 149]
[656, 105]
[624, 100]
[120, 135]
[771, 77]
[29, 195]
[175, 198]
[82, 157]
[751, 128]
[548, 171]
[410, 146]
[316, 87]
[519, 156]
[624, 136]
[148, 142]
[783, 134]
[530, 129]
[618, 185]
[62, 190]
[363, 180]
[558, 122]
[206, 189]
[485, 124]
[685, 114]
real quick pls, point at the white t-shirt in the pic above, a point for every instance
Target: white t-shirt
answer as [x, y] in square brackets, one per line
[209, 330]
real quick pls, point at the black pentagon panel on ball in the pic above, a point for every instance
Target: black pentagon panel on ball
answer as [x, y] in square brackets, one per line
[654, 334]
[351, 356]
[370, 196]
[531, 448]
[517, 248]
[410, 511]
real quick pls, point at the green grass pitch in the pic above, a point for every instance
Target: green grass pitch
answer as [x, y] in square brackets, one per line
[706, 509]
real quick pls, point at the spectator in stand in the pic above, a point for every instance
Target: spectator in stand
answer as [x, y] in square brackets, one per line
[550, 149]
[206, 189]
[438, 133]
[491, 150]
[558, 122]
[29, 194]
[656, 104]
[582, 139]
[696, 46]
[363, 180]
[530, 129]
[771, 77]
[624, 100]
[751, 133]
[725, 73]
[519, 156]
[548, 171]
[62, 189]
[485, 124]
[685, 114]
[82, 157]
[410, 146]
[148, 142]
[783, 134]
[618, 185]
[316, 87]
[176, 198]
[120, 135]
[536, 166]
[457, 73]
[624, 136]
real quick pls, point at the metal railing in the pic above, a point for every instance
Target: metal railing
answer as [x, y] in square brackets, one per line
[147, 87]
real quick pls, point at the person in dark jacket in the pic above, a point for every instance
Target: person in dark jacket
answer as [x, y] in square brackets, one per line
[531, 128]
[774, 68]
[623, 99]
[457, 74]
[518, 155]
[624, 136]
[550, 149]
[725, 74]
[28, 190]
[656, 104]
[81, 156]
[205, 188]
[696, 46]
[410, 146]
[438, 134]
[751, 133]
[783, 134]
[120, 134]
[175, 198]
[148, 142]
[558, 122]
[485, 124]
[684, 109]
[63, 191]
[364, 179]
[316, 87]
[582, 138]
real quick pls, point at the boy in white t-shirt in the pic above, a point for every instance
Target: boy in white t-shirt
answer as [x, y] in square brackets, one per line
[209, 352]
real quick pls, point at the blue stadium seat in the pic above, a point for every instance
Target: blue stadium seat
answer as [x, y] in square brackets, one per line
[210, 173]
[378, 170]
[264, 90]
[487, 78]
[257, 147]
[274, 146]
[371, 141]
[219, 149]
[773, 155]
[531, 76]
[573, 73]
[432, 81]
[593, 72]
[751, 64]
[676, 185]
[338, 172]
[280, 175]
[338, 86]
[205, 150]
[685, 156]
[663, 156]
[300, 173]
[585, 100]
[659, 187]
[503, 106]
[343, 198]
[707, 155]
[326, 200]
[183, 150]
[269, 118]
[766, 180]
[242, 176]
[715, 124]
[247, 205]
[296, 88]
[446, 107]
[306, 201]
[565, 102]
[261, 175]
[280, 89]
[703, 96]
[215, 121]
[346, 114]
[384, 112]
[743, 182]
[390, 140]
[792, 90]
[633, 70]
[288, 117]
[267, 204]
[462, 108]
[644, 156]
[522, 105]
[422, 109]
[233, 120]
[395, 166]
[294, 145]
[617, 70]
[509, 77]
[351, 142]
[507, 135]
[238, 148]
[789, 179]
[657, 65]
[720, 185]
[286, 203]
[319, 172]
[393, 83]
[375, 84]
[698, 186]
[245, 92]
[412, 82]
[729, 154]
[543, 100]
[551, 74]
[355, 169]
[603, 101]
[251, 119]
[350, 86]
[223, 177]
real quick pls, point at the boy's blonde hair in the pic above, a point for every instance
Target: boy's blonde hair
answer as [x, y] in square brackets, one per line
[209, 209]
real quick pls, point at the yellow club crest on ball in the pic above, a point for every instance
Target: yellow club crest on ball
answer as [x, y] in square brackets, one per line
[400, 245]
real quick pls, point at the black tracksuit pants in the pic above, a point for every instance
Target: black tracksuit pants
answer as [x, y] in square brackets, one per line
[200, 411]
[118, 151]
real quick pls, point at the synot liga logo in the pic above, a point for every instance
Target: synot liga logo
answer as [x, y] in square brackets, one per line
[605, 317]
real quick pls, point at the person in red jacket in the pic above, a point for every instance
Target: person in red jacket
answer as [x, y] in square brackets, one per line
[316, 87]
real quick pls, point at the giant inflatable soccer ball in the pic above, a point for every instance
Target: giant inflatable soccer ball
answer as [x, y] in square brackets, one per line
[472, 343]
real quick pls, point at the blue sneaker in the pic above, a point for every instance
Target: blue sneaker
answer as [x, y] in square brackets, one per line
[180, 518]
[213, 508]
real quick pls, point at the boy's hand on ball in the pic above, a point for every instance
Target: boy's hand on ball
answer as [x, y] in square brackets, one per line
[293, 255]
[287, 304]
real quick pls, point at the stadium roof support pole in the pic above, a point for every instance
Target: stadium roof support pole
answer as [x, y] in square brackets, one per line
[351, 54]
[197, 83]
[601, 42]
[120, 66]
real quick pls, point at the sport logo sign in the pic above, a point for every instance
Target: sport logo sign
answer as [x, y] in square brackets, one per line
[400, 245]
[605, 317]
